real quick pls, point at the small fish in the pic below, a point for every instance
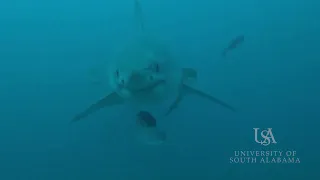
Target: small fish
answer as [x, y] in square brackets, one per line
[233, 44]
[148, 131]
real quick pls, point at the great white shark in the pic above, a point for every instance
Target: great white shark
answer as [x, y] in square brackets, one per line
[145, 73]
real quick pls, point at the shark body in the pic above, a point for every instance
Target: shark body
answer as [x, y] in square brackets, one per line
[145, 73]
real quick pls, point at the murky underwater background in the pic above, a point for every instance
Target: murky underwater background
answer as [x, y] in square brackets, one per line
[47, 49]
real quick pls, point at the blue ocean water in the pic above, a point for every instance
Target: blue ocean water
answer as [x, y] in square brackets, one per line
[47, 49]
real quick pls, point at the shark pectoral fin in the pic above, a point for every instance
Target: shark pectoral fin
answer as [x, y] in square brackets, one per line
[175, 104]
[207, 96]
[189, 73]
[109, 100]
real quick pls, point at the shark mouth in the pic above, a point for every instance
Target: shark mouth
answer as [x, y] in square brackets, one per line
[149, 87]
[141, 82]
[125, 91]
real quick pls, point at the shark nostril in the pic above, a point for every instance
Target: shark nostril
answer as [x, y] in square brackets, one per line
[151, 78]
[122, 81]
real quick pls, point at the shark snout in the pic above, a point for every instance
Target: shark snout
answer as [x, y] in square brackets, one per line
[129, 80]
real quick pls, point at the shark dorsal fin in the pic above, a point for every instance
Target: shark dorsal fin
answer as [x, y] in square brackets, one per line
[138, 15]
